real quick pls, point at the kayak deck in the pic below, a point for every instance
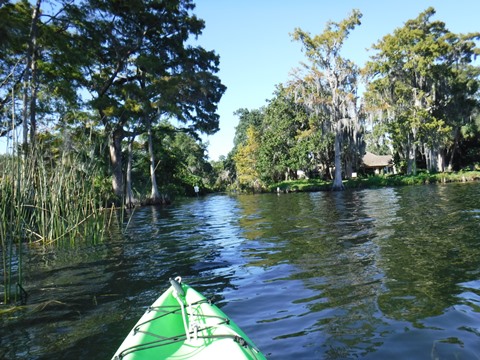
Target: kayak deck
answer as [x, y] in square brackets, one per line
[183, 324]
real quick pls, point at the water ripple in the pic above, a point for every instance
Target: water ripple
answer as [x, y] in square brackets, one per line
[369, 274]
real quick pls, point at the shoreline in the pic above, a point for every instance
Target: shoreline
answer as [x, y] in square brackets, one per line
[376, 181]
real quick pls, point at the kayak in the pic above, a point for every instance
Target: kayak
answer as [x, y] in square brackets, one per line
[183, 324]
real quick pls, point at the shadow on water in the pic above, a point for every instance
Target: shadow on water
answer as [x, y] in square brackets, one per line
[388, 273]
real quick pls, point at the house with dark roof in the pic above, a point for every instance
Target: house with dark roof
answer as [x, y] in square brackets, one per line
[377, 164]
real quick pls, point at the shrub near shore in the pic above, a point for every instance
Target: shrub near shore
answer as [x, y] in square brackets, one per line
[306, 185]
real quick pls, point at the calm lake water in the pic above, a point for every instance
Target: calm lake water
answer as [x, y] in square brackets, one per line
[389, 273]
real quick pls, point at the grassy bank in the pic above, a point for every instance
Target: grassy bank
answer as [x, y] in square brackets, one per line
[306, 185]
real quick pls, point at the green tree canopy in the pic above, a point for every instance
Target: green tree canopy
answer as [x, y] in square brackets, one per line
[421, 86]
[282, 121]
[329, 85]
[129, 64]
[246, 161]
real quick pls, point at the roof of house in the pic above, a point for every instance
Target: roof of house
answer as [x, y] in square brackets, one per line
[372, 160]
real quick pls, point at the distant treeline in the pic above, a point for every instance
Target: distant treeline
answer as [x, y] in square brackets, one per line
[420, 106]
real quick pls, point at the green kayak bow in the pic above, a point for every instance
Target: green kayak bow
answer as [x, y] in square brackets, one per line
[183, 324]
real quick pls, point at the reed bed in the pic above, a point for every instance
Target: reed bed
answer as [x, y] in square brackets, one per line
[46, 202]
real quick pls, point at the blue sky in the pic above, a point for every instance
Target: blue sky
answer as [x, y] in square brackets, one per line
[256, 52]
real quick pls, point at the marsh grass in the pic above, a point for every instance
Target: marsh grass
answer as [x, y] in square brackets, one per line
[46, 202]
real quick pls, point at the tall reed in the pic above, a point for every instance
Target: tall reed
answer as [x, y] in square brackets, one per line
[11, 226]
[45, 201]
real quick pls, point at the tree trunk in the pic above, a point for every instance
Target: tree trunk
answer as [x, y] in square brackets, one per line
[155, 193]
[441, 160]
[348, 166]
[428, 157]
[129, 199]
[337, 180]
[25, 115]
[454, 149]
[435, 159]
[412, 159]
[30, 82]
[33, 69]
[115, 144]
